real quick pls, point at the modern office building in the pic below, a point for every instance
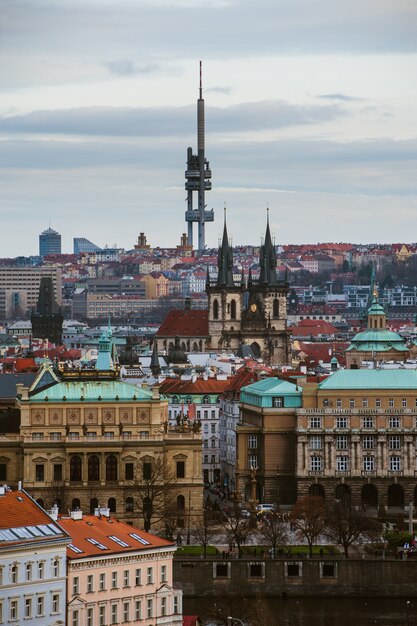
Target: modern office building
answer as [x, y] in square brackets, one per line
[19, 288]
[83, 245]
[49, 242]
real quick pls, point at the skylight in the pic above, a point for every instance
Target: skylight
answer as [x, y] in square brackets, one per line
[140, 539]
[97, 544]
[119, 541]
[75, 548]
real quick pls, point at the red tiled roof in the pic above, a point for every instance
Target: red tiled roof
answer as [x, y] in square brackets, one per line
[247, 375]
[313, 328]
[184, 324]
[100, 529]
[211, 385]
[18, 510]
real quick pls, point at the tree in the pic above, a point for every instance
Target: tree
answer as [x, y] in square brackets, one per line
[308, 517]
[153, 491]
[273, 528]
[345, 524]
[204, 532]
[237, 529]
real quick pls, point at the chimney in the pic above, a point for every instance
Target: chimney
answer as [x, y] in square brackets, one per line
[54, 512]
[102, 510]
[76, 515]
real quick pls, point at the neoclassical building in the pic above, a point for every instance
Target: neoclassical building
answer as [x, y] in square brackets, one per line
[85, 439]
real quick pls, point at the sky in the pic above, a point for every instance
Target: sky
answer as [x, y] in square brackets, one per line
[310, 110]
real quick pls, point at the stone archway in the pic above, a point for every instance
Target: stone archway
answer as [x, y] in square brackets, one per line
[256, 349]
[343, 494]
[395, 496]
[317, 490]
[369, 496]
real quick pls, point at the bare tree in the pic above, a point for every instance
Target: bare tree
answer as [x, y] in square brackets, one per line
[273, 528]
[152, 490]
[344, 525]
[237, 529]
[308, 517]
[204, 532]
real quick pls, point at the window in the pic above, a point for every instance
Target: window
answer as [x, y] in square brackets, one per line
[28, 607]
[28, 571]
[338, 402]
[138, 609]
[55, 603]
[180, 469]
[75, 469]
[365, 403]
[176, 605]
[93, 468]
[40, 606]
[368, 442]
[352, 403]
[147, 471]
[342, 463]
[252, 441]
[129, 471]
[57, 472]
[102, 582]
[278, 402]
[138, 577]
[111, 468]
[75, 586]
[205, 400]
[39, 473]
[90, 616]
[395, 463]
[252, 461]
[293, 570]
[14, 573]
[394, 442]
[126, 611]
[163, 606]
[102, 615]
[163, 574]
[341, 442]
[368, 463]
[404, 403]
[391, 403]
[316, 463]
[114, 613]
[3, 471]
[90, 585]
[394, 422]
[126, 578]
[55, 568]
[129, 505]
[75, 618]
[114, 580]
[368, 422]
[315, 443]
[315, 422]
[14, 609]
[341, 422]
[149, 575]
[378, 403]
[41, 570]
[149, 607]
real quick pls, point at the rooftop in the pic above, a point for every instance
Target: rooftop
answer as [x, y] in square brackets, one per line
[371, 379]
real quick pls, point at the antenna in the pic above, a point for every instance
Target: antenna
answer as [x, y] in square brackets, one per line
[201, 80]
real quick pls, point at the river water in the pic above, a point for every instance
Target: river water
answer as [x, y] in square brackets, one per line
[323, 612]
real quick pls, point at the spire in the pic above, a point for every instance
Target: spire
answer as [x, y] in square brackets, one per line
[207, 279]
[155, 367]
[104, 360]
[268, 259]
[225, 260]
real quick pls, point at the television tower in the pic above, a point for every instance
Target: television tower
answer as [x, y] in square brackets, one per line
[198, 178]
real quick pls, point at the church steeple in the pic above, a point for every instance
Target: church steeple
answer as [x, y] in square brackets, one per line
[154, 366]
[225, 261]
[268, 260]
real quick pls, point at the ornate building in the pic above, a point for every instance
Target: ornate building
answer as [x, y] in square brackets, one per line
[86, 438]
[252, 313]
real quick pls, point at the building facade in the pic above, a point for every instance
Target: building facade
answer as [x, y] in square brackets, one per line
[20, 288]
[49, 242]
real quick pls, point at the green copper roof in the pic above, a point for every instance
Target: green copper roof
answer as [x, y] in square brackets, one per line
[371, 379]
[376, 308]
[91, 391]
[263, 392]
[378, 341]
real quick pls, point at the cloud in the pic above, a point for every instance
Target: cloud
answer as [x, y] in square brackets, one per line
[224, 90]
[341, 97]
[127, 67]
[167, 121]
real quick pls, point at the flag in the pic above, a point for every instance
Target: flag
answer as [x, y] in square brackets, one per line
[191, 411]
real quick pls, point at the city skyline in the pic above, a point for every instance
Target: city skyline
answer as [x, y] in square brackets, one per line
[309, 109]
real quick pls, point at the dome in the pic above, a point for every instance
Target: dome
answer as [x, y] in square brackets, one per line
[381, 340]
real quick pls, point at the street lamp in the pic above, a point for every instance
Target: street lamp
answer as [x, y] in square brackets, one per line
[230, 620]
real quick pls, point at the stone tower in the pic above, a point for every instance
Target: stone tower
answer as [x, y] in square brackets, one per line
[47, 319]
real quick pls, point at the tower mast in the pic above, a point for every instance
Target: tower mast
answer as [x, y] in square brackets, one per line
[198, 178]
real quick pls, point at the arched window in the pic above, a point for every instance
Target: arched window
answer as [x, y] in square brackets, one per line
[188, 400]
[233, 309]
[129, 504]
[180, 504]
[215, 309]
[93, 468]
[205, 399]
[175, 400]
[93, 505]
[75, 504]
[111, 468]
[275, 308]
[112, 505]
[316, 490]
[195, 346]
[75, 469]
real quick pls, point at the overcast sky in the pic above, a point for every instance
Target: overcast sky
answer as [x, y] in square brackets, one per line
[310, 109]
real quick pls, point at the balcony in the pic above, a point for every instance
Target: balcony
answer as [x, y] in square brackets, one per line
[366, 473]
[316, 472]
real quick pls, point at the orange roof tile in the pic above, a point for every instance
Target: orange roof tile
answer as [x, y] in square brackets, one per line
[100, 530]
[212, 385]
[184, 324]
